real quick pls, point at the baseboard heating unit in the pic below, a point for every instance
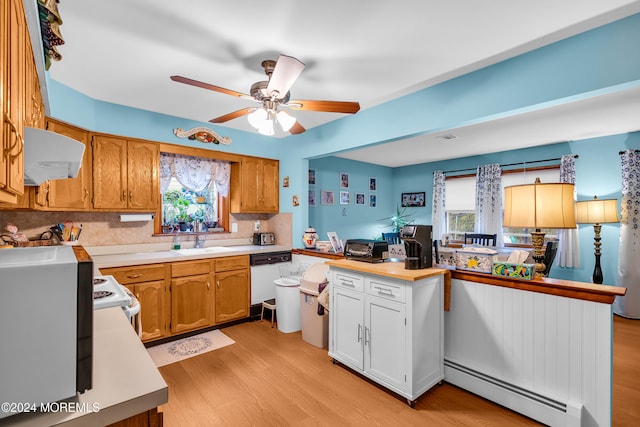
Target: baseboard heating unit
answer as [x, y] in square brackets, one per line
[545, 409]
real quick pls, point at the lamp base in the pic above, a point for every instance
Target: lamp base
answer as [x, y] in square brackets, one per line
[537, 238]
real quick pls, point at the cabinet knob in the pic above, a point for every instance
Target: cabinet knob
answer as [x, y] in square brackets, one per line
[218, 284]
[208, 286]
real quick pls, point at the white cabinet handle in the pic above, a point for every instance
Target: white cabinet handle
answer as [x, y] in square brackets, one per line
[366, 332]
[359, 332]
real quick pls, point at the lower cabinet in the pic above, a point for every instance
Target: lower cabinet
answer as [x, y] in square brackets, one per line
[232, 288]
[184, 296]
[148, 284]
[192, 296]
[389, 330]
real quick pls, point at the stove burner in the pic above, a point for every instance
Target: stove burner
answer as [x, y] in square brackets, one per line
[99, 281]
[102, 294]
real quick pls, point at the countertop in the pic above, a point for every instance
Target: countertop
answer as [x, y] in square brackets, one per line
[392, 269]
[126, 382]
[124, 258]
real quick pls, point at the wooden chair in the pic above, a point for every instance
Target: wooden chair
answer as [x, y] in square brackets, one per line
[391, 238]
[549, 256]
[481, 239]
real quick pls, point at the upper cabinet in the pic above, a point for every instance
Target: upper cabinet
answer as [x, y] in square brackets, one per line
[125, 174]
[254, 186]
[72, 193]
[17, 95]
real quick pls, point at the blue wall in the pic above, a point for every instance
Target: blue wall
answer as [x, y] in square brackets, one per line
[600, 61]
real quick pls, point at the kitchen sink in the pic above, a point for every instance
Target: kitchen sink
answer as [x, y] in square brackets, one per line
[201, 251]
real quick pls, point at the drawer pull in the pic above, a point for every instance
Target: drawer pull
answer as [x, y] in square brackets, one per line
[208, 286]
[384, 291]
[134, 276]
[346, 282]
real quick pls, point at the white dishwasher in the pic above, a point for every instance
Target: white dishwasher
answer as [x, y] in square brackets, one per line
[265, 268]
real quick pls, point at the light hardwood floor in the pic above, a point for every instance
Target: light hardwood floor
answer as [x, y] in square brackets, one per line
[273, 379]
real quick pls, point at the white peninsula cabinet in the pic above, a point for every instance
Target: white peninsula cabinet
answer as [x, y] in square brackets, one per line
[389, 329]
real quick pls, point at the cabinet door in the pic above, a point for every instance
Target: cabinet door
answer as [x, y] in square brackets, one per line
[72, 193]
[232, 295]
[270, 201]
[151, 296]
[251, 190]
[191, 303]
[12, 172]
[142, 185]
[385, 339]
[109, 172]
[348, 326]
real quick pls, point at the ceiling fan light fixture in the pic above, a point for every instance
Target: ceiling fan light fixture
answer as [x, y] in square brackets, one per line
[257, 118]
[286, 120]
[266, 128]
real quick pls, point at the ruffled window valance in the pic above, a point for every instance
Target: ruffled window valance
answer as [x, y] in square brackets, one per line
[194, 173]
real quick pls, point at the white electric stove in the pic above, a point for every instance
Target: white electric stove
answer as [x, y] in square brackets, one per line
[107, 292]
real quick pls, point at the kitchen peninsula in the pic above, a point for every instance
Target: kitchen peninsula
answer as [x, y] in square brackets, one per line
[127, 387]
[540, 347]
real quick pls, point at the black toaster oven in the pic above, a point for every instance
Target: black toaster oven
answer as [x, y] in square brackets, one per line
[366, 250]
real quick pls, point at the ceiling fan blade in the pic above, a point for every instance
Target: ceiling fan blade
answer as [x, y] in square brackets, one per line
[327, 106]
[297, 128]
[285, 73]
[233, 115]
[202, 85]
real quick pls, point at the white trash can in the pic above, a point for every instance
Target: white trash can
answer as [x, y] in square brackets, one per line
[287, 304]
[315, 327]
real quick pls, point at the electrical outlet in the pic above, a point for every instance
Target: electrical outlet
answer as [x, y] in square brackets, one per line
[234, 227]
[256, 226]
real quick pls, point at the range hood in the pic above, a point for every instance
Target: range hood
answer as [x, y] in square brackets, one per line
[49, 155]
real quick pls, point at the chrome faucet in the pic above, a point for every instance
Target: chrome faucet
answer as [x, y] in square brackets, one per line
[200, 239]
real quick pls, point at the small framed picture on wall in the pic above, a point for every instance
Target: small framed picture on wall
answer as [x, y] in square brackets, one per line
[326, 197]
[312, 197]
[312, 177]
[372, 200]
[345, 197]
[359, 198]
[344, 180]
[413, 199]
[372, 184]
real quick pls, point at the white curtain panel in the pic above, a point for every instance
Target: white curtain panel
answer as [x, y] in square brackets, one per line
[629, 254]
[489, 201]
[568, 254]
[438, 206]
[194, 173]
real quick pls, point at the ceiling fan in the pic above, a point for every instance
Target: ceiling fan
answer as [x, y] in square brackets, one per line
[272, 94]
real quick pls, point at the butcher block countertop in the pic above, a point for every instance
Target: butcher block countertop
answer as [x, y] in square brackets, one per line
[394, 270]
[126, 382]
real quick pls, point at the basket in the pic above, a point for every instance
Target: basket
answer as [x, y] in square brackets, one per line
[45, 239]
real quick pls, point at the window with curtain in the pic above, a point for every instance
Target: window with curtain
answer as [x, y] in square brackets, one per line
[190, 187]
[461, 203]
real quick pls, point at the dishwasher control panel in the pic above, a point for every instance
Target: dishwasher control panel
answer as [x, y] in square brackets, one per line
[269, 258]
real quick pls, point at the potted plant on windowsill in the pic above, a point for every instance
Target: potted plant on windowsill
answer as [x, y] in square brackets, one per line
[182, 205]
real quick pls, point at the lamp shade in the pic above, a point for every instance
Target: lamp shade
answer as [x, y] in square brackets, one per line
[539, 206]
[597, 211]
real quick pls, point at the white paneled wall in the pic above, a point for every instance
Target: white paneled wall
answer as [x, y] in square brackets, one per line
[545, 356]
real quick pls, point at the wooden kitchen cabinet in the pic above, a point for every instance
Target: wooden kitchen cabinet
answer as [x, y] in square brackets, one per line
[192, 296]
[73, 193]
[233, 288]
[16, 61]
[125, 174]
[254, 186]
[148, 284]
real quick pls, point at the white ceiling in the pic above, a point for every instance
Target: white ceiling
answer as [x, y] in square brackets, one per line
[124, 51]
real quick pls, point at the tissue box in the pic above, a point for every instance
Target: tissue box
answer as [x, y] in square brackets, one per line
[515, 271]
[474, 261]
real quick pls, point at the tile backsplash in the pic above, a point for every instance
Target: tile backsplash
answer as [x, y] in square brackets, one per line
[105, 228]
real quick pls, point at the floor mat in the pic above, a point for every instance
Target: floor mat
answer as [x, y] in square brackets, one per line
[184, 348]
